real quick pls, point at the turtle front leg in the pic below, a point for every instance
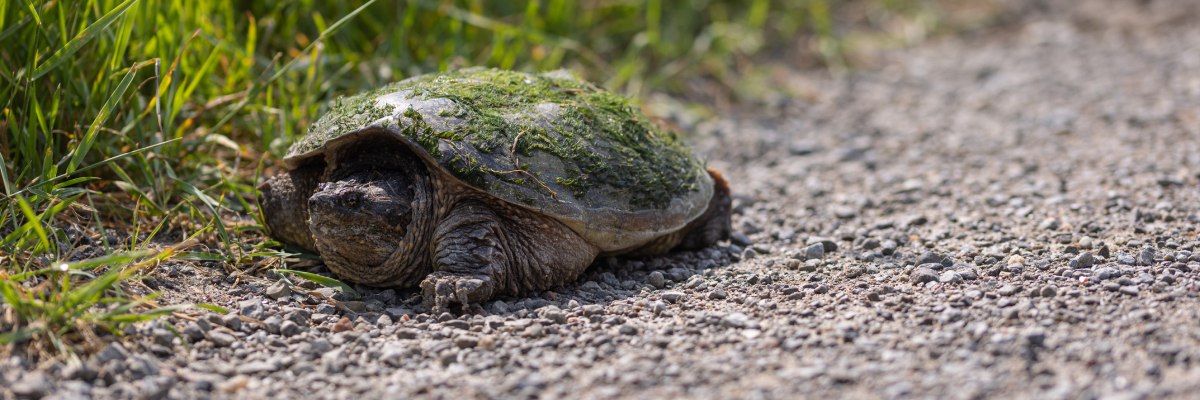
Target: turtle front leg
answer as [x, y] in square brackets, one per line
[469, 258]
[480, 252]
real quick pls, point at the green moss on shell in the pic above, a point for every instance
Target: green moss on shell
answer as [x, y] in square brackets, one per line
[609, 150]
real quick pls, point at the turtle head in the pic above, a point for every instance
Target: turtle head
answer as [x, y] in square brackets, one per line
[359, 221]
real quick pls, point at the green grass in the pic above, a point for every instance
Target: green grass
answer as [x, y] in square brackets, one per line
[131, 126]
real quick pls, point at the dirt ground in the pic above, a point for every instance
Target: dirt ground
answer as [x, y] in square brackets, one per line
[1010, 214]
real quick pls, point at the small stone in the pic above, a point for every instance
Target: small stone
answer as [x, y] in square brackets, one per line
[1126, 259]
[272, 323]
[533, 331]
[827, 244]
[553, 313]
[1130, 290]
[968, 274]
[657, 279]
[252, 308]
[114, 351]
[1048, 291]
[1147, 256]
[1105, 273]
[255, 367]
[626, 329]
[466, 342]
[735, 320]
[33, 385]
[814, 251]
[1008, 290]
[934, 266]
[717, 294]
[221, 338]
[889, 247]
[232, 321]
[950, 277]
[930, 257]
[289, 329]
[672, 296]
[740, 239]
[278, 290]
[1083, 260]
[343, 325]
[922, 275]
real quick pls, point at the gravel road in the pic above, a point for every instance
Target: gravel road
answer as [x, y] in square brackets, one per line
[1012, 214]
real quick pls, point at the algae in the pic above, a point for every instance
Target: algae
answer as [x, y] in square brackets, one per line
[500, 124]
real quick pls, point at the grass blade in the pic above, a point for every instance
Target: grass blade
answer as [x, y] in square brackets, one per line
[322, 280]
[78, 41]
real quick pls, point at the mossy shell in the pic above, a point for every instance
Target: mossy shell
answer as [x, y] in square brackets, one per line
[550, 143]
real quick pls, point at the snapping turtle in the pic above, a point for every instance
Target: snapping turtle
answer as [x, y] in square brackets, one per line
[483, 182]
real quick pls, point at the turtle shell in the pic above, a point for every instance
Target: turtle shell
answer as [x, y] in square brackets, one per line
[551, 143]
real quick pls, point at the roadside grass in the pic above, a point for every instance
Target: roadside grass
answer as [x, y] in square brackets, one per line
[133, 132]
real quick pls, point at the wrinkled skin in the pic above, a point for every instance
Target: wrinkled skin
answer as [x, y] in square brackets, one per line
[383, 218]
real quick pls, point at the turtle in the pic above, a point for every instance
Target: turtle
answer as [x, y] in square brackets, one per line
[478, 183]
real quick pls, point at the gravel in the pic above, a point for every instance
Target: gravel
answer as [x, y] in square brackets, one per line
[1010, 214]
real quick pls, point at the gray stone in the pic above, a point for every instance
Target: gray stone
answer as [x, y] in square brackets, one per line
[1146, 256]
[923, 274]
[221, 338]
[1083, 260]
[252, 308]
[950, 277]
[657, 279]
[814, 251]
[1105, 273]
[278, 290]
[672, 296]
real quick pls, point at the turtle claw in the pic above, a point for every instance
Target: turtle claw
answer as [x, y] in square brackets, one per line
[440, 289]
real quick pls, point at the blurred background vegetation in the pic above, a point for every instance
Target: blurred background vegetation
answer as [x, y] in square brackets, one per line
[133, 125]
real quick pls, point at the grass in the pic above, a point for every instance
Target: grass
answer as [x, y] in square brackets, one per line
[134, 131]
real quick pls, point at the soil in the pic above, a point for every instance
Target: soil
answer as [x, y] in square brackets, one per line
[1009, 214]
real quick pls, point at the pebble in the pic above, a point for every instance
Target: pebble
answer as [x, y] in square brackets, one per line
[33, 385]
[921, 275]
[1083, 260]
[252, 308]
[672, 296]
[735, 320]
[551, 313]
[740, 239]
[828, 245]
[278, 290]
[1146, 256]
[814, 251]
[717, 294]
[343, 325]
[221, 338]
[950, 277]
[1008, 290]
[232, 321]
[657, 279]
[466, 342]
[289, 328]
[1105, 273]
[255, 367]
[1130, 290]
